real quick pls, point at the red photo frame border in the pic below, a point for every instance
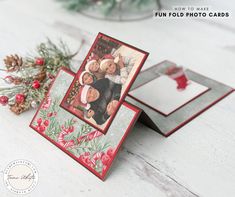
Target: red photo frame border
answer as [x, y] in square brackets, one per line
[131, 125]
[104, 131]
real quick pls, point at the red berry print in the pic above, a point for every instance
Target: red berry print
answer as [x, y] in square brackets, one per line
[46, 123]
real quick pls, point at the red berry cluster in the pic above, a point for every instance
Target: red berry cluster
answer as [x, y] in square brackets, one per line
[92, 160]
[107, 157]
[42, 125]
[19, 98]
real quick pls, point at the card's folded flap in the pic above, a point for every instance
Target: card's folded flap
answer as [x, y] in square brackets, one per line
[145, 119]
[167, 124]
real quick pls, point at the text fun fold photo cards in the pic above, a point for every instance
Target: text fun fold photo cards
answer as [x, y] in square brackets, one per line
[103, 81]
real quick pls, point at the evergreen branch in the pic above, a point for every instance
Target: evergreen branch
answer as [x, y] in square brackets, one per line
[40, 68]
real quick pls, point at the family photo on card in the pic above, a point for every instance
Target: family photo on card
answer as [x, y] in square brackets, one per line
[103, 81]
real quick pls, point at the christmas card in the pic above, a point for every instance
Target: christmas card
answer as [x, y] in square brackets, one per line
[172, 95]
[103, 81]
[79, 140]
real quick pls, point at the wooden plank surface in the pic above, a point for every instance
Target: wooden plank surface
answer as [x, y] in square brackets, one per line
[198, 160]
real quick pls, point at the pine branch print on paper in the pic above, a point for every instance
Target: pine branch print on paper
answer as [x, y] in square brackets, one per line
[80, 139]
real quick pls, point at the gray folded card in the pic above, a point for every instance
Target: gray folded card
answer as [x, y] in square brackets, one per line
[171, 96]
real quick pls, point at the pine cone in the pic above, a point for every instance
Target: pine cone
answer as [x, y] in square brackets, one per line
[13, 63]
[40, 76]
[18, 108]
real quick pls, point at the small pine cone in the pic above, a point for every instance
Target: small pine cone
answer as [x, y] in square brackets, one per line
[18, 108]
[13, 63]
[40, 76]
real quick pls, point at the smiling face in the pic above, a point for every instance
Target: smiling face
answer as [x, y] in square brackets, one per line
[94, 67]
[111, 67]
[92, 95]
[87, 79]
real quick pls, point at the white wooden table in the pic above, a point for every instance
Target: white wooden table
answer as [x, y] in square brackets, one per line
[198, 160]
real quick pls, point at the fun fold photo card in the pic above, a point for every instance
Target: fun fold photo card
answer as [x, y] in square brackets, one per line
[103, 81]
[171, 96]
[75, 137]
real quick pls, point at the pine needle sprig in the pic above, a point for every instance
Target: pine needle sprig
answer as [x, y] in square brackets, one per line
[31, 76]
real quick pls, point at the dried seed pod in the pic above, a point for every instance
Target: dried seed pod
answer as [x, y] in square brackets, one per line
[13, 63]
[40, 76]
[18, 108]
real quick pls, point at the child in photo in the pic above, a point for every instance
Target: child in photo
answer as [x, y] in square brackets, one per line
[99, 100]
[116, 69]
[93, 67]
[86, 78]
